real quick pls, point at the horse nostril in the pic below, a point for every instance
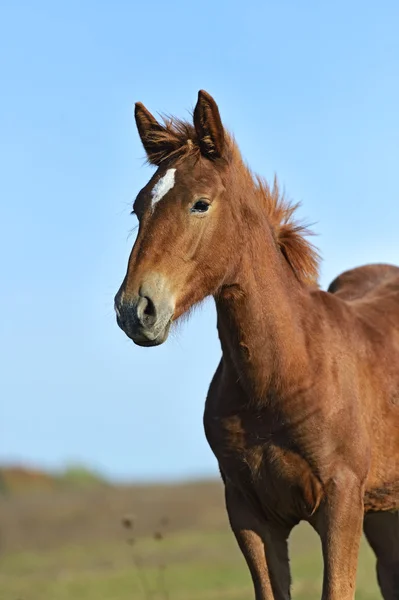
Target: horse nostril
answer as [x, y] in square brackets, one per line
[149, 310]
[146, 311]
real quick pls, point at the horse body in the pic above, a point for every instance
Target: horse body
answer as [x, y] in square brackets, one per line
[303, 412]
[284, 449]
[281, 453]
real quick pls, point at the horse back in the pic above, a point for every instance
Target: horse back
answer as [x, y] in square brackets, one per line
[366, 281]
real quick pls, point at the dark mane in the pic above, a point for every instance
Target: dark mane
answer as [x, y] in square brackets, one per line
[178, 139]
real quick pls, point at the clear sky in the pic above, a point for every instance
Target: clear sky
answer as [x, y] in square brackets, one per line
[310, 90]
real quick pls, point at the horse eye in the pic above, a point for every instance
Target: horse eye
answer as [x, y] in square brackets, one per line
[201, 206]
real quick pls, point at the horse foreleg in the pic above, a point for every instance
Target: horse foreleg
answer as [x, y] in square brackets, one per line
[382, 533]
[339, 523]
[264, 547]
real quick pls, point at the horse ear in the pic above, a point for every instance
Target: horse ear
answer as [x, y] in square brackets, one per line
[208, 125]
[157, 140]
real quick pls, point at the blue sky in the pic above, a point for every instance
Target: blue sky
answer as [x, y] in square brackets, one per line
[310, 90]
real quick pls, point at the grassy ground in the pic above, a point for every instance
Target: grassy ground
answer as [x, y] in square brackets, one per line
[84, 545]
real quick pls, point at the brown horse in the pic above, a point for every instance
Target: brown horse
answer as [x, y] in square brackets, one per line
[303, 411]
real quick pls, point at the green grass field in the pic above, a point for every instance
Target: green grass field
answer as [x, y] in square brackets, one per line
[80, 556]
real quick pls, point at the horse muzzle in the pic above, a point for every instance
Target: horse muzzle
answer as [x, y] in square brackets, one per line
[145, 317]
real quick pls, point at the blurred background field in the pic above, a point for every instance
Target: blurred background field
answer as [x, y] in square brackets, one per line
[77, 537]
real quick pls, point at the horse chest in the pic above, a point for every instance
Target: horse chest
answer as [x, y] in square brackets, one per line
[261, 462]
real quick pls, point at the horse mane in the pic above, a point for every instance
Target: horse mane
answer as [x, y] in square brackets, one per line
[177, 139]
[290, 234]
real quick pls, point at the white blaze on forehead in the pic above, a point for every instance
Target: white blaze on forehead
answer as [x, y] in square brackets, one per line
[163, 186]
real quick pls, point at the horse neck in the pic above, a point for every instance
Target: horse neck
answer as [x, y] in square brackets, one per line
[261, 320]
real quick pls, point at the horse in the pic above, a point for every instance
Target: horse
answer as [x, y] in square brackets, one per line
[302, 413]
